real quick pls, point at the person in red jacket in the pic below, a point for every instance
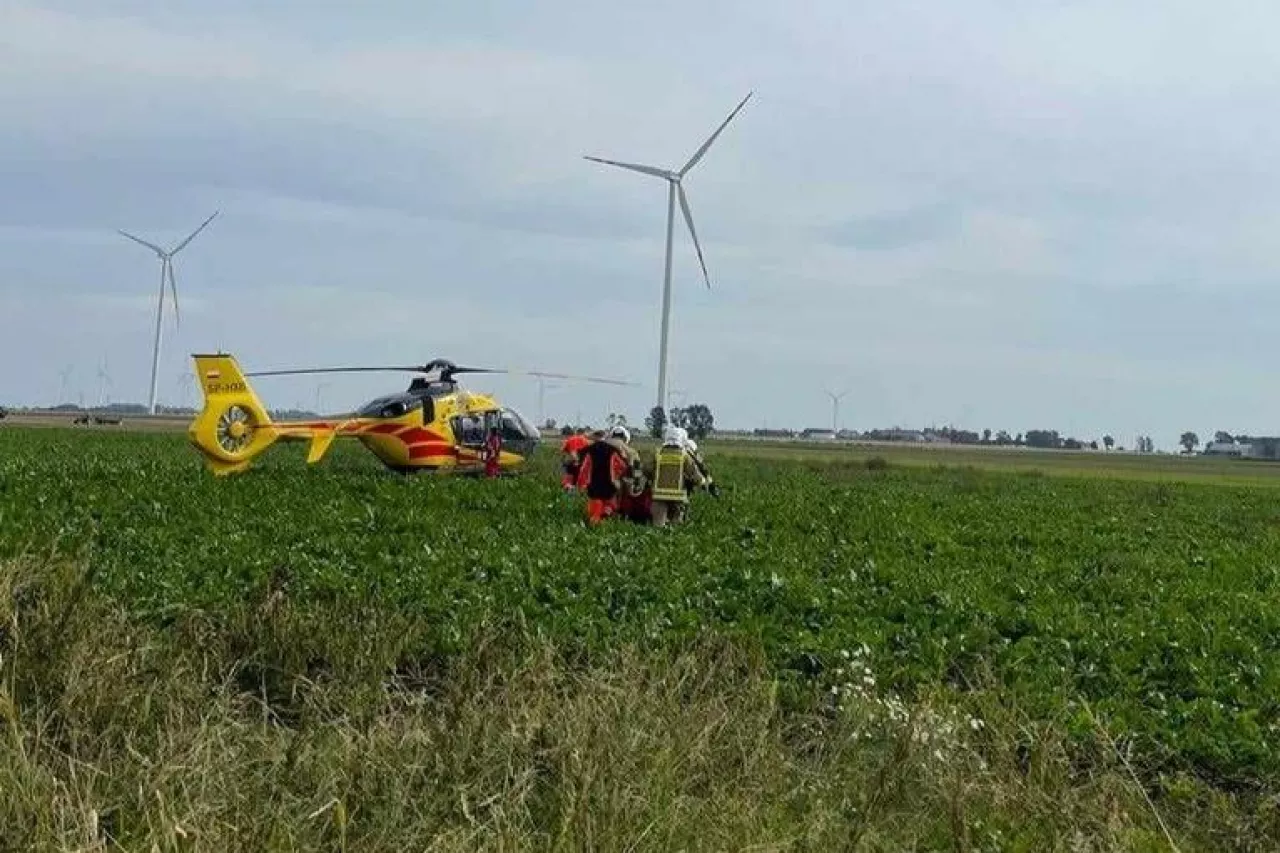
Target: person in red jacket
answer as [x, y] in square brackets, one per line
[571, 458]
[492, 452]
[606, 462]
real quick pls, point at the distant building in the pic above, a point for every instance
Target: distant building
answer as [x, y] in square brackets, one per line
[817, 433]
[1228, 448]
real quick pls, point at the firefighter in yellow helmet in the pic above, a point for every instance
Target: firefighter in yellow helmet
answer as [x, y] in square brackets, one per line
[673, 474]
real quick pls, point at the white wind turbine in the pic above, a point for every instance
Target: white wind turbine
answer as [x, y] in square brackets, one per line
[674, 189]
[185, 380]
[166, 274]
[104, 382]
[64, 376]
[835, 409]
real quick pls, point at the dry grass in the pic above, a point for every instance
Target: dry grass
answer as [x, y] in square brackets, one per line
[278, 728]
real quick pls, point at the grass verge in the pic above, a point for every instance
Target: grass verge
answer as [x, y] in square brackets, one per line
[275, 726]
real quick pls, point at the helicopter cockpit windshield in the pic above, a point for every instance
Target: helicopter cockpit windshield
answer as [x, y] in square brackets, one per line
[518, 435]
[515, 427]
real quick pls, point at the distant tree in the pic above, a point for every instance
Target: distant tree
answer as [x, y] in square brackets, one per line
[959, 436]
[679, 418]
[986, 436]
[1223, 437]
[549, 425]
[1189, 441]
[1108, 442]
[699, 420]
[1003, 438]
[1018, 440]
[616, 419]
[1093, 445]
[1043, 438]
[566, 430]
[1072, 444]
[656, 421]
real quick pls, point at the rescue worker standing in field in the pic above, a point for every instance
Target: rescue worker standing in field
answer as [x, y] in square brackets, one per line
[493, 452]
[571, 458]
[606, 464]
[712, 488]
[675, 474]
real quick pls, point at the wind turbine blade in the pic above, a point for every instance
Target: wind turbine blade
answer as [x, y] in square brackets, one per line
[152, 246]
[688, 219]
[173, 288]
[697, 155]
[635, 167]
[178, 248]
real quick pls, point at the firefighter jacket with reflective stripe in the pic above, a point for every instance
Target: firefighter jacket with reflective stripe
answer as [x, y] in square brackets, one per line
[674, 474]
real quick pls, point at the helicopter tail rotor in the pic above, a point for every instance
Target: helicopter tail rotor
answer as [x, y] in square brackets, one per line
[233, 426]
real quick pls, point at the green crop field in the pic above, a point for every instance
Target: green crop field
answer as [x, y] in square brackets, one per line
[1133, 621]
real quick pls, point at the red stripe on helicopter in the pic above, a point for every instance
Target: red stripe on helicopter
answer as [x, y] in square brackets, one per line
[417, 435]
[432, 448]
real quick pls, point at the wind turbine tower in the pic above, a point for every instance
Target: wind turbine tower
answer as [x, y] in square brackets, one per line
[64, 375]
[166, 274]
[835, 410]
[104, 382]
[675, 189]
[185, 380]
[321, 387]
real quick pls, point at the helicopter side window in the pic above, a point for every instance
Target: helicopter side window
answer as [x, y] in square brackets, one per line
[469, 430]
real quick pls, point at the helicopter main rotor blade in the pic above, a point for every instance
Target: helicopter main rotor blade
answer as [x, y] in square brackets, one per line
[306, 370]
[445, 370]
[542, 374]
[457, 369]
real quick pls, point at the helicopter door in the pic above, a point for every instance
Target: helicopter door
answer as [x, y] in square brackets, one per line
[469, 430]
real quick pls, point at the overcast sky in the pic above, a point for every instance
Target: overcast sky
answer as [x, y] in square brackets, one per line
[992, 214]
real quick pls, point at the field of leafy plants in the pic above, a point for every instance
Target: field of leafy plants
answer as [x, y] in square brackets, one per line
[1151, 607]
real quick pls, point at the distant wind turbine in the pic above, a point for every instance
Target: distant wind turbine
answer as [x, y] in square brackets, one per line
[104, 382]
[185, 380]
[166, 274]
[674, 189]
[835, 409]
[542, 395]
[64, 376]
[320, 389]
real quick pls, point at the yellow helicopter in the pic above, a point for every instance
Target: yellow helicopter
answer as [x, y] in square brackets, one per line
[434, 425]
